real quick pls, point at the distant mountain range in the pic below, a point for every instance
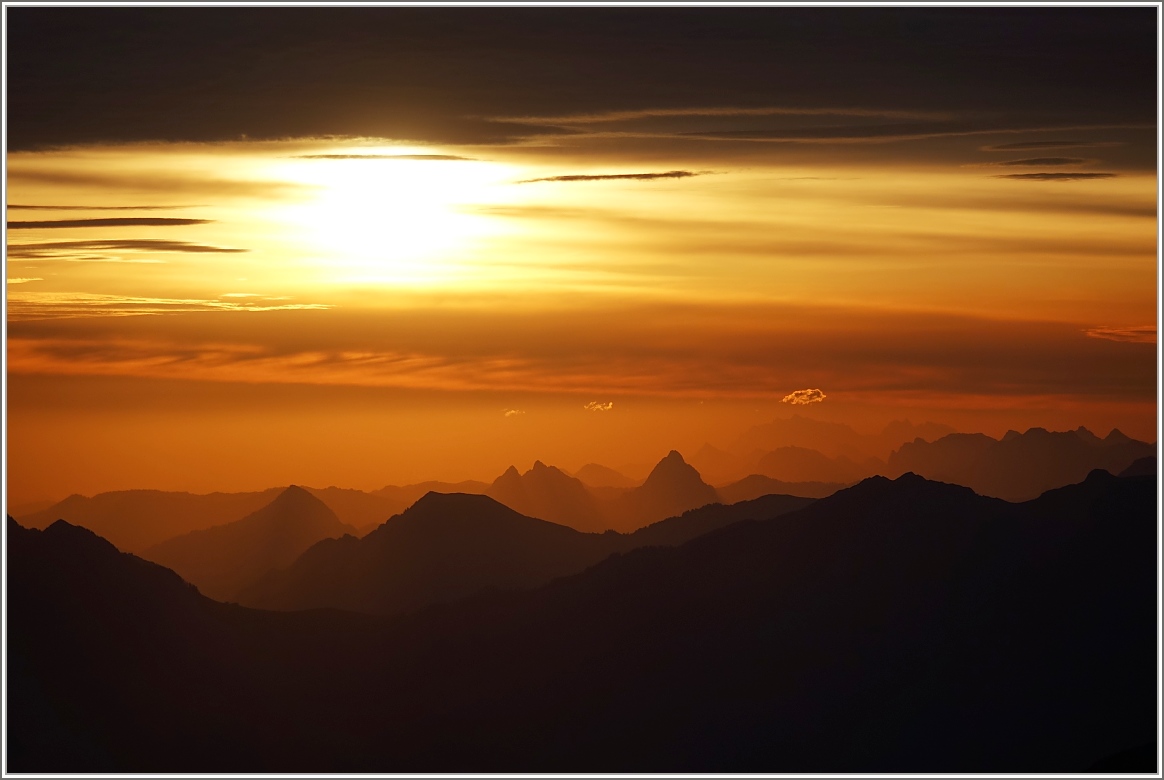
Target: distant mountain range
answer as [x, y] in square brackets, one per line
[803, 449]
[224, 559]
[136, 520]
[895, 626]
[448, 546]
[1020, 466]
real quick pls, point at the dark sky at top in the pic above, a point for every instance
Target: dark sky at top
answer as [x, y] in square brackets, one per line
[115, 74]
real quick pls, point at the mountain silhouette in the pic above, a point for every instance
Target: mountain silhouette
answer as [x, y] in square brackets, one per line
[596, 475]
[719, 467]
[800, 464]
[671, 488]
[407, 495]
[443, 547]
[1141, 467]
[756, 485]
[447, 546]
[225, 558]
[135, 520]
[834, 439]
[895, 626]
[547, 493]
[1020, 466]
[363, 511]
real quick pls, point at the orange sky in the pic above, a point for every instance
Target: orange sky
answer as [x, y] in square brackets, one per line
[363, 311]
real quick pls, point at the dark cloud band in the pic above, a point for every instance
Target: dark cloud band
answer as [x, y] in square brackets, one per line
[615, 176]
[132, 244]
[1055, 176]
[1033, 145]
[29, 207]
[108, 222]
[382, 157]
[1039, 161]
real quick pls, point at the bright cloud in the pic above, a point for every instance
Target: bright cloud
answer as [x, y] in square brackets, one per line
[802, 397]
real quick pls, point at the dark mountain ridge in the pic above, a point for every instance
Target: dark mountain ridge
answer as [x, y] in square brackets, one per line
[448, 546]
[1020, 466]
[896, 626]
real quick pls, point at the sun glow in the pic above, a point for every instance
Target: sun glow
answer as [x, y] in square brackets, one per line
[393, 216]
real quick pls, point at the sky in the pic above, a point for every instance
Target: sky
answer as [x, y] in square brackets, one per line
[367, 246]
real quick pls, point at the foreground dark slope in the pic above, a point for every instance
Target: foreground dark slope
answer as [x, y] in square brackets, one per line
[895, 626]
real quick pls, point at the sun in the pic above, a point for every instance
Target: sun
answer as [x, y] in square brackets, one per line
[394, 216]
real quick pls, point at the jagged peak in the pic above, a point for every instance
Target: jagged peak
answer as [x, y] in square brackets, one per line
[539, 466]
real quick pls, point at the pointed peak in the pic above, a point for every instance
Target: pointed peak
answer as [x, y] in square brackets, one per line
[511, 472]
[538, 466]
[675, 456]
[293, 494]
[1117, 435]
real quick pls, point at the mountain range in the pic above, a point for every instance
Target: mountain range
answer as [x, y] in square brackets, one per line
[224, 559]
[1020, 466]
[448, 546]
[895, 626]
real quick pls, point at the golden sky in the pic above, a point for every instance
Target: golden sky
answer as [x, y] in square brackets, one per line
[356, 310]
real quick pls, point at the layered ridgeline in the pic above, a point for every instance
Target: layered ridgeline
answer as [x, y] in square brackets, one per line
[226, 558]
[1019, 466]
[896, 626]
[448, 546]
[136, 520]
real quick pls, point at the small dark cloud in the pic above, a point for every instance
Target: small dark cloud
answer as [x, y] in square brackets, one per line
[1039, 161]
[50, 248]
[382, 157]
[1032, 145]
[606, 177]
[1055, 176]
[27, 207]
[107, 222]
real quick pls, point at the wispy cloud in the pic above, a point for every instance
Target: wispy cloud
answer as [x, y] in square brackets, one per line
[1038, 161]
[1143, 334]
[804, 397]
[568, 120]
[106, 222]
[64, 305]
[435, 157]
[1057, 176]
[69, 249]
[24, 279]
[609, 176]
[597, 406]
[30, 207]
[1034, 145]
[512, 412]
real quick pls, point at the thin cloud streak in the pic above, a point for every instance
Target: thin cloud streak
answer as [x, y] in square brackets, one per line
[434, 157]
[1144, 334]
[106, 222]
[55, 305]
[568, 120]
[1038, 161]
[1055, 176]
[30, 207]
[1032, 145]
[67, 248]
[615, 176]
